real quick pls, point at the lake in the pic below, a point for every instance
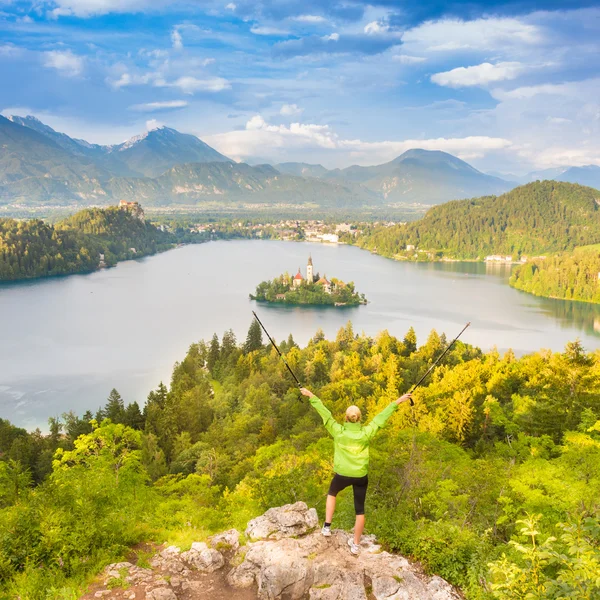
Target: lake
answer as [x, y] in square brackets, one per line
[66, 342]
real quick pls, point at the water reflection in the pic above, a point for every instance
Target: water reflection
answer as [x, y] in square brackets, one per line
[582, 315]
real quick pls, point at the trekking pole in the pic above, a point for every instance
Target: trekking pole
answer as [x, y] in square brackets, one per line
[437, 360]
[278, 352]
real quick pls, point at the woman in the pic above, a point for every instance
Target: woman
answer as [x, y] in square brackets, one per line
[351, 458]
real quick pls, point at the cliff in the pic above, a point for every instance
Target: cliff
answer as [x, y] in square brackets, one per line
[284, 557]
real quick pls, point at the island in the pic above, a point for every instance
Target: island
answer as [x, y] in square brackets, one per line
[312, 289]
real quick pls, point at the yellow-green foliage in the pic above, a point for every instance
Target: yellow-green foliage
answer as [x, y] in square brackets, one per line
[572, 276]
[491, 439]
[540, 217]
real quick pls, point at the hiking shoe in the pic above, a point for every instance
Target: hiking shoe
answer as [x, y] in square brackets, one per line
[326, 531]
[354, 548]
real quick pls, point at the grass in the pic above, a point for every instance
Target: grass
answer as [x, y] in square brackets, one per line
[184, 538]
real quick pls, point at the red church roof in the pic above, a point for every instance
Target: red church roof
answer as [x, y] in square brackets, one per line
[298, 275]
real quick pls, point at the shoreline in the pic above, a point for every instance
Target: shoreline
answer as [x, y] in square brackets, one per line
[395, 258]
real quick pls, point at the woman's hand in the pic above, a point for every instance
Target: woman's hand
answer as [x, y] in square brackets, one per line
[404, 398]
[306, 392]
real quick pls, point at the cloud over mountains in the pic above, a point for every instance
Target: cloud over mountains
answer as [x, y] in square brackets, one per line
[331, 81]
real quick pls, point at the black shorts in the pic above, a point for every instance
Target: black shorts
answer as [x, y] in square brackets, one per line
[359, 487]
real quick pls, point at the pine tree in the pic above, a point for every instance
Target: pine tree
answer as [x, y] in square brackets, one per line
[133, 416]
[214, 352]
[228, 345]
[254, 340]
[115, 407]
[410, 341]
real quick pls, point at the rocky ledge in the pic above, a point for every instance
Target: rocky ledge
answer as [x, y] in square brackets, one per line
[285, 557]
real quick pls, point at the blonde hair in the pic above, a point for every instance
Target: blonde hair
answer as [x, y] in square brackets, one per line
[353, 414]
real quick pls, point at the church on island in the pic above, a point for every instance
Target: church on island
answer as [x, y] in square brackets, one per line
[312, 290]
[310, 278]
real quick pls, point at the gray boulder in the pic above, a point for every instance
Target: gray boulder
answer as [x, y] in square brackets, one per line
[203, 558]
[285, 521]
[227, 541]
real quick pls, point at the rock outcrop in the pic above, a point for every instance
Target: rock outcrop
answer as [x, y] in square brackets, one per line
[285, 558]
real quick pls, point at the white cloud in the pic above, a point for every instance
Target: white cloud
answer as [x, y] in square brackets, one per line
[526, 92]
[231, 6]
[479, 74]
[259, 134]
[333, 37]
[156, 106]
[9, 50]
[406, 59]
[176, 39]
[65, 62]
[258, 30]
[125, 79]
[291, 110]
[376, 27]
[89, 8]
[189, 85]
[309, 19]
[153, 124]
[480, 34]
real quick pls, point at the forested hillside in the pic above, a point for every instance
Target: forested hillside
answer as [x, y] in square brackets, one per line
[573, 276]
[540, 217]
[491, 481]
[36, 249]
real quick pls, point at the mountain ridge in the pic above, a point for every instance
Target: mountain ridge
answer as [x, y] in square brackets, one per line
[155, 167]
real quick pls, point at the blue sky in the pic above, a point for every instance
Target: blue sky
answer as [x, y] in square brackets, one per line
[509, 86]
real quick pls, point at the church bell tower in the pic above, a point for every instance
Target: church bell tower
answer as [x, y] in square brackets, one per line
[309, 270]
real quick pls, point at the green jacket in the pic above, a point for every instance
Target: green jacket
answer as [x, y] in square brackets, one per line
[351, 440]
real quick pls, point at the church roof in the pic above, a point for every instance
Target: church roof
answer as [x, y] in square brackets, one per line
[298, 275]
[323, 281]
[310, 260]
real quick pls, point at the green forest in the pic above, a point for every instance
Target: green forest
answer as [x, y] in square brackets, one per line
[492, 480]
[574, 276]
[537, 218]
[33, 248]
[280, 290]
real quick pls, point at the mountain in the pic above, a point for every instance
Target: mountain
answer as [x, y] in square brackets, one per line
[74, 146]
[544, 174]
[34, 168]
[588, 175]
[235, 182]
[540, 217]
[302, 169]
[422, 176]
[39, 165]
[155, 152]
[510, 177]
[96, 153]
[147, 155]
